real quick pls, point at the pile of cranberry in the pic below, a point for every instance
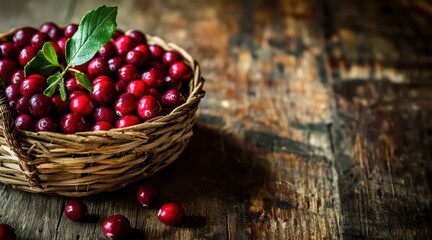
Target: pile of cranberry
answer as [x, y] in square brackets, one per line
[132, 82]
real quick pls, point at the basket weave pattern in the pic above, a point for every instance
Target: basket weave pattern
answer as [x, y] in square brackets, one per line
[86, 163]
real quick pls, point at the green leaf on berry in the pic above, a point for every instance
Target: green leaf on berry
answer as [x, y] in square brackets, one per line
[53, 81]
[45, 62]
[62, 89]
[83, 80]
[95, 30]
[50, 54]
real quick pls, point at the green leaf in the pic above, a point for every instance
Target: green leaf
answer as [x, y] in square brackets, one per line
[53, 81]
[50, 54]
[96, 28]
[83, 80]
[62, 90]
[45, 62]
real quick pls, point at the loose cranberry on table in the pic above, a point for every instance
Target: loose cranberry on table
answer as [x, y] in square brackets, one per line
[126, 104]
[75, 210]
[180, 70]
[123, 45]
[7, 232]
[171, 57]
[116, 227]
[146, 194]
[72, 123]
[137, 36]
[172, 99]
[104, 114]
[70, 30]
[39, 39]
[97, 67]
[128, 73]
[101, 126]
[7, 69]
[46, 125]
[32, 85]
[8, 51]
[153, 78]
[22, 37]
[137, 88]
[25, 122]
[171, 214]
[81, 104]
[103, 91]
[148, 107]
[40, 105]
[127, 121]
[26, 55]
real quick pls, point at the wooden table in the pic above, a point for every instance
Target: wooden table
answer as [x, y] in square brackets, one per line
[316, 123]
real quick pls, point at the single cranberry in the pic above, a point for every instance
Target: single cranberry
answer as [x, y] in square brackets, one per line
[102, 126]
[26, 55]
[153, 78]
[75, 94]
[52, 30]
[157, 52]
[70, 30]
[155, 93]
[22, 105]
[181, 71]
[25, 122]
[82, 105]
[171, 57]
[39, 39]
[121, 86]
[98, 67]
[32, 85]
[114, 64]
[146, 194]
[40, 105]
[104, 114]
[137, 88]
[82, 68]
[72, 123]
[172, 99]
[156, 65]
[7, 232]
[171, 214]
[123, 44]
[126, 104]
[46, 124]
[148, 107]
[22, 37]
[103, 91]
[60, 105]
[75, 210]
[13, 92]
[62, 44]
[128, 73]
[72, 84]
[57, 49]
[137, 36]
[8, 51]
[18, 77]
[172, 83]
[116, 227]
[117, 33]
[107, 51]
[143, 49]
[7, 68]
[136, 58]
[127, 121]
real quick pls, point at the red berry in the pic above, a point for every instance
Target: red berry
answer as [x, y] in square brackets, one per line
[148, 107]
[60, 105]
[155, 93]
[171, 214]
[22, 105]
[72, 84]
[107, 51]
[7, 68]
[123, 44]
[157, 52]
[117, 33]
[39, 39]
[116, 227]
[144, 50]
[137, 36]
[146, 194]
[18, 77]
[171, 57]
[104, 114]
[13, 92]
[75, 210]
[172, 99]
[72, 123]
[103, 91]
[153, 78]
[40, 105]
[98, 67]
[62, 44]
[81, 104]
[52, 30]
[128, 73]
[127, 121]
[76, 93]
[70, 30]
[172, 83]
[82, 68]
[8, 51]
[181, 71]
[25, 122]
[156, 65]
[126, 104]
[57, 49]
[102, 126]
[26, 55]
[137, 88]
[114, 64]
[22, 37]
[46, 124]
[121, 86]
[7, 232]
[32, 85]
[136, 58]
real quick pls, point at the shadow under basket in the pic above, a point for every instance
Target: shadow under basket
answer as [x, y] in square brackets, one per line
[87, 163]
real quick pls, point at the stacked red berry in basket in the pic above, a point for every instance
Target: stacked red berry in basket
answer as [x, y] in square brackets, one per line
[131, 82]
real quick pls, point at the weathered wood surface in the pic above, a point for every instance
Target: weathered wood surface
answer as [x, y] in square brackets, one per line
[316, 123]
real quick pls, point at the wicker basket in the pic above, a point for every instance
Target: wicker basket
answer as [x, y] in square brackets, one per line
[86, 163]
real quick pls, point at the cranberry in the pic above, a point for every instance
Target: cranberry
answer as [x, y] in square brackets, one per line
[7, 232]
[40, 105]
[146, 194]
[60, 105]
[70, 30]
[137, 36]
[121, 86]
[116, 227]
[22, 105]
[172, 83]
[32, 85]
[136, 58]
[181, 71]
[52, 30]
[126, 104]
[18, 77]
[128, 73]
[62, 44]
[156, 65]
[97, 67]
[72, 123]
[114, 64]
[137, 88]
[81, 104]
[75, 210]
[26, 55]
[127, 121]
[72, 84]
[7, 68]
[155, 93]
[171, 214]
[8, 51]
[104, 114]
[102, 126]
[22, 37]
[13, 92]
[172, 99]
[46, 125]
[25, 122]
[103, 91]
[57, 49]
[157, 52]
[143, 49]
[123, 44]
[12, 104]
[82, 68]
[171, 57]
[148, 107]
[117, 33]
[39, 39]
[76, 93]
[153, 78]
[107, 51]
